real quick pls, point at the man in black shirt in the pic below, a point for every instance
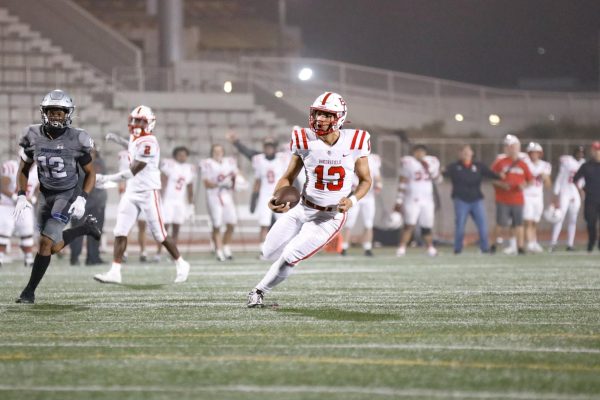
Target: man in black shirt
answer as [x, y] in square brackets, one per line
[590, 171]
[466, 176]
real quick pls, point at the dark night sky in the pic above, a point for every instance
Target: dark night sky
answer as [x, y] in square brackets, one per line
[492, 42]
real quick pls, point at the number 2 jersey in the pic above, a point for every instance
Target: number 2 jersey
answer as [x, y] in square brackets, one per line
[144, 149]
[329, 169]
[57, 158]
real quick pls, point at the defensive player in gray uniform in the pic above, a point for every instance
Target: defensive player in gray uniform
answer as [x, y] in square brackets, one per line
[58, 149]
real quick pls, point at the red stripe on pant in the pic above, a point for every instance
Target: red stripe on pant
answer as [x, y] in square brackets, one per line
[162, 226]
[345, 215]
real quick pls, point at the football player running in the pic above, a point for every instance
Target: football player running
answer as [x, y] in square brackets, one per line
[331, 156]
[57, 149]
[218, 175]
[534, 194]
[142, 194]
[8, 196]
[419, 173]
[567, 196]
[366, 208]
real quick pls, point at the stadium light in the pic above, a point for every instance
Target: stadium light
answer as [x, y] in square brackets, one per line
[494, 119]
[278, 94]
[227, 87]
[459, 117]
[305, 74]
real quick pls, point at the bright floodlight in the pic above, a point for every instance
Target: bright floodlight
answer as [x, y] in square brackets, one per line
[494, 119]
[227, 87]
[278, 93]
[305, 74]
[459, 117]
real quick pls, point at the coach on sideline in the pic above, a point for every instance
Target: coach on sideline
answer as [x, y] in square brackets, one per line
[466, 176]
[590, 171]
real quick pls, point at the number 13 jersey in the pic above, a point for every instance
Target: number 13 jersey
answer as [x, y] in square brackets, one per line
[329, 169]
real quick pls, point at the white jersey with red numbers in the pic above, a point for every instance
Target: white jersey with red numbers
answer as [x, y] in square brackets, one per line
[221, 173]
[269, 171]
[375, 169]
[329, 169]
[419, 176]
[564, 185]
[538, 169]
[145, 149]
[9, 170]
[179, 176]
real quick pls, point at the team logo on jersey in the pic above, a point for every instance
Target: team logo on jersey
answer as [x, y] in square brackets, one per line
[60, 147]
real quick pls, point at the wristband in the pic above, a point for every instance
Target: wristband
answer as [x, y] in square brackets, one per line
[353, 199]
[84, 195]
[21, 193]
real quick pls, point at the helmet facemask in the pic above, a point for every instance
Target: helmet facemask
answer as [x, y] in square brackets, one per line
[53, 122]
[315, 124]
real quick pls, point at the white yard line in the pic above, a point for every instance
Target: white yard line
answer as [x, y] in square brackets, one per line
[378, 391]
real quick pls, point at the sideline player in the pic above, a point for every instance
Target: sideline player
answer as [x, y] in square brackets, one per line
[419, 173]
[268, 169]
[58, 150]
[366, 208]
[218, 175]
[331, 156]
[567, 197]
[177, 176]
[534, 194]
[142, 193]
[8, 196]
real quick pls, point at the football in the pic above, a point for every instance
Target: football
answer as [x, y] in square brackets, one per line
[286, 194]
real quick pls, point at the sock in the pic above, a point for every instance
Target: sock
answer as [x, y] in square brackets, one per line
[29, 257]
[40, 265]
[179, 261]
[367, 245]
[227, 251]
[513, 242]
[116, 267]
[499, 241]
[571, 228]
[278, 272]
[70, 234]
[345, 245]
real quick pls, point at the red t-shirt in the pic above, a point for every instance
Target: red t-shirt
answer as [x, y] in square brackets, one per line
[517, 173]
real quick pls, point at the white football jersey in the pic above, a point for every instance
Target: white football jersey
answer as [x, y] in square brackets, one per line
[375, 169]
[9, 170]
[420, 175]
[179, 176]
[269, 171]
[538, 170]
[220, 173]
[329, 169]
[145, 149]
[564, 180]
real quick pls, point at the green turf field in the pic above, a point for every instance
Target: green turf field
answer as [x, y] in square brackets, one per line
[469, 327]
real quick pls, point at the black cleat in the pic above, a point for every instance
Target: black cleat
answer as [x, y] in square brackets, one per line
[344, 252]
[91, 223]
[26, 298]
[143, 258]
[493, 249]
[368, 253]
[570, 248]
[521, 251]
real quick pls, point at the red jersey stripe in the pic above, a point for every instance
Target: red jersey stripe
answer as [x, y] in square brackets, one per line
[354, 140]
[362, 139]
[304, 140]
[297, 139]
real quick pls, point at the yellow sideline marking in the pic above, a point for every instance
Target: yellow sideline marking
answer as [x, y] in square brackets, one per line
[313, 360]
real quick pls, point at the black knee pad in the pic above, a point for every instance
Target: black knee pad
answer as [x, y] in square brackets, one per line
[425, 231]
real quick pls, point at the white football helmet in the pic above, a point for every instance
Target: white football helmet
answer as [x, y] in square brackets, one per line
[534, 146]
[509, 140]
[141, 121]
[57, 99]
[332, 103]
[395, 220]
[552, 214]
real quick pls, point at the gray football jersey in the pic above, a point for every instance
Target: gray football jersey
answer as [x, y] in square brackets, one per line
[56, 159]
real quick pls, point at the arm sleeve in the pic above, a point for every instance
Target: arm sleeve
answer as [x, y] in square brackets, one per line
[87, 144]
[26, 152]
[246, 151]
[580, 173]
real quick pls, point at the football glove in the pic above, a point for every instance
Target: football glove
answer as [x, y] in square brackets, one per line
[21, 205]
[77, 209]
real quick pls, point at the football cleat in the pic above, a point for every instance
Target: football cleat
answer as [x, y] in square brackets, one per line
[183, 269]
[344, 252]
[432, 251]
[143, 258]
[255, 299]
[510, 250]
[112, 276]
[369, 253]
[570, 248]
[26, 298]
[91, 224]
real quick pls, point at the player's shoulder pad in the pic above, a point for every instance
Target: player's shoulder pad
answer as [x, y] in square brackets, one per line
[85, 140]
[359, 139]
[301, 137]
